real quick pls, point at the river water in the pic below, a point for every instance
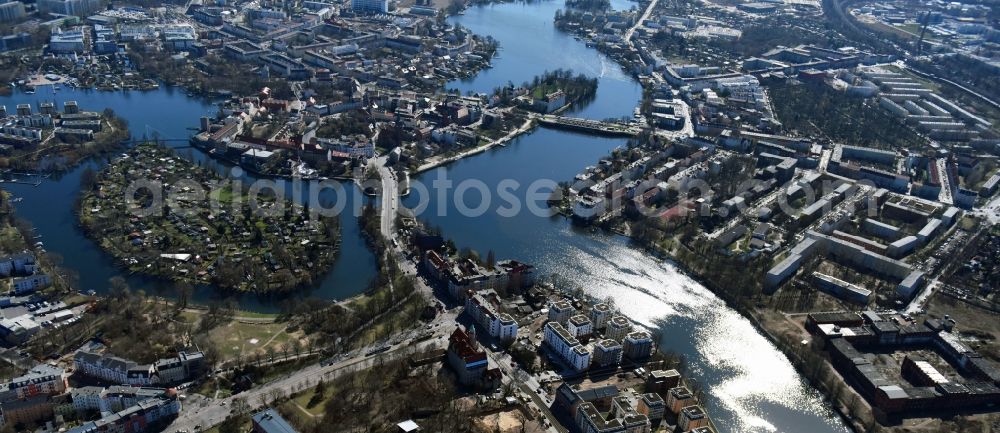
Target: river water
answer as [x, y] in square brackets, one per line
[167, 113]
[750, 386]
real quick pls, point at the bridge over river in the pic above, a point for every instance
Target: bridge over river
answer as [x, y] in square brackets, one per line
[613, 129]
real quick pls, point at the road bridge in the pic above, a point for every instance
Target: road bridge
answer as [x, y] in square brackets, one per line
[613, 129]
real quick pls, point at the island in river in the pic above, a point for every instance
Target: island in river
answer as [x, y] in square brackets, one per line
[162, 215]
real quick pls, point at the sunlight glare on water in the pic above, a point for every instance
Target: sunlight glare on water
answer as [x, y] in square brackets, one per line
[750, 372]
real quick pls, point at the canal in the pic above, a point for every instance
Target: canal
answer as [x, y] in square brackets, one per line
[750, 385]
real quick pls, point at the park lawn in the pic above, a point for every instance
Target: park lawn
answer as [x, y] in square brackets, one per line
[298, 417]
[361, 301]
[188, 316]
[302, 400]
[968, 223]
[233, 339]
[910, 27]
[255, 315]
[215, 386]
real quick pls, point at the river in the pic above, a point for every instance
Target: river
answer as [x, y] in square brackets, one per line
[750, 385]
[169, 113]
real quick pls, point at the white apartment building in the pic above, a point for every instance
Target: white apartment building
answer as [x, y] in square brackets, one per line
[499, 325]
[86, 398]
[30, 284]
[579, 326]
[567, 346]
[182, 367]
[109, 368]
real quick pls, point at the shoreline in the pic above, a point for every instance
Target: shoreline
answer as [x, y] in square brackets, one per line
[526, 127]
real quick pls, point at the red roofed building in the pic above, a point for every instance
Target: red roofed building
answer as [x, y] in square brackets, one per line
[275, 104]
[677, 212]
[469, 361]
[435, 265]
[226, 133]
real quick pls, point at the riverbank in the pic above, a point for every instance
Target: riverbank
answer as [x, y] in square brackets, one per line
[438, 161]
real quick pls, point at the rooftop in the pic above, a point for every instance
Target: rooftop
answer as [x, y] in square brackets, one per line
[270, 422]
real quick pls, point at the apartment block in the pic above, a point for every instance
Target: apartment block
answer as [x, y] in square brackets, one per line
[678, 398]
[617, 328]
[484, 311]
[607, 352]
[637, 345]
[469, 361]
[184, 366]
[135, 419]
[653, 406]
[600, 314]
[692, 417]
[661, 381]
[43, 379]
[561, 311]
[567, 346]
[11, 11]
[580, 326]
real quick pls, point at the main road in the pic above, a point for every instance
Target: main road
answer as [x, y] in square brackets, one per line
[390, 196]
[644, 17]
